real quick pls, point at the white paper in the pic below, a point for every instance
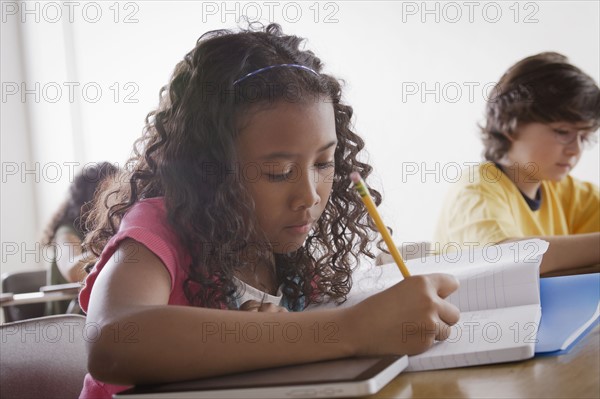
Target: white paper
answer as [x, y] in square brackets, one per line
[498, 297]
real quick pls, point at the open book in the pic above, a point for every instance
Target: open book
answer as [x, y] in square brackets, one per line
[499, 300]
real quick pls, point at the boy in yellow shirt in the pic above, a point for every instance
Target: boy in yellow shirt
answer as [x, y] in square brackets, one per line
[541, 115]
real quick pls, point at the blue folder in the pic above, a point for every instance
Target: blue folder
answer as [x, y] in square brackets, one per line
[568, 303]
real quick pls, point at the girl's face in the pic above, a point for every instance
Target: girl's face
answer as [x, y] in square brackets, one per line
[286, 155]
[548, 151]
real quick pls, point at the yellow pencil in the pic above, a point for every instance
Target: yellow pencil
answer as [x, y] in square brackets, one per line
[361, 187]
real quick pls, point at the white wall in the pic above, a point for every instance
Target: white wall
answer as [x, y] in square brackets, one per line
[381, 49]
[19, 219]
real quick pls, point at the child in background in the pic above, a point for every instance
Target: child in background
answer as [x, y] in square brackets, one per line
[240, 199]
[542, 114]
[67, 229]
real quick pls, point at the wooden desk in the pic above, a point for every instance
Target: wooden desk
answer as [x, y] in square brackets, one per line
[35, 297]
[47, 293]
[574, 375]
[579, 270]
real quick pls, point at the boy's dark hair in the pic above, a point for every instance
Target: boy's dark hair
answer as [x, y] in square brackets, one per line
[187, 156]
[542, 88]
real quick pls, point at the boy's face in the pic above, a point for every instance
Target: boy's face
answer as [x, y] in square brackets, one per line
[548, 151]
[286, 155]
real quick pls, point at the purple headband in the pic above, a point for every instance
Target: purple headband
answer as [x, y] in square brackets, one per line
[275, 66]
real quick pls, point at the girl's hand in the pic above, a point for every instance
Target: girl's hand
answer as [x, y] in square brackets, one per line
[406, 318]
[255, 306]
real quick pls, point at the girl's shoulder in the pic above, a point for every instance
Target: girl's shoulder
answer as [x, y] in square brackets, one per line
[145, 223]
[150, 212]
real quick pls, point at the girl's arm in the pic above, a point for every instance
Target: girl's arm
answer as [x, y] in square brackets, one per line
[143, 340]
[69, 257]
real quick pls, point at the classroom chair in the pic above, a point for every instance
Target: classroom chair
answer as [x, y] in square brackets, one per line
[43, 357]
[32, 281]
[21, 282]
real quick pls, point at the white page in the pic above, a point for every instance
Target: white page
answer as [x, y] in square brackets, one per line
[492, 277]
[484, 337]
[512, 285]
[499, 299]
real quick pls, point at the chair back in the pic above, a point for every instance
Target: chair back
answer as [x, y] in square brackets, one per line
[43, 357]
[18, 283]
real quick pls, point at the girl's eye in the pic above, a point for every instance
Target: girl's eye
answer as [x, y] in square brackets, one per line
[325, 165]
[291, 174]
[277, 178]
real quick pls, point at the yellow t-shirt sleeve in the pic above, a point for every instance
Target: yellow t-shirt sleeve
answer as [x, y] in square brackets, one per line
[487, 208]
[480, 209]
[584, 209]
[481, 214]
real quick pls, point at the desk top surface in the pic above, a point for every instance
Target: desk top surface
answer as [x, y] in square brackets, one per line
[572, 375]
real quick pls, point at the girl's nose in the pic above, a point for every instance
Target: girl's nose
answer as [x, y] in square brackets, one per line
[305, 194]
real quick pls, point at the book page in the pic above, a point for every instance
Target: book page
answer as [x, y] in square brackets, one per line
[513, 285]
[492, 277]
[484, 337]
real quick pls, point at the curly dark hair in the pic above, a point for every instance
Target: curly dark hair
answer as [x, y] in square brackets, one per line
[541, 88]
[195, 125]
[74, 211]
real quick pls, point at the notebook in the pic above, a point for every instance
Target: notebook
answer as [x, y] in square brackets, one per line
[570, 308]
[327, 379]
[498, 298]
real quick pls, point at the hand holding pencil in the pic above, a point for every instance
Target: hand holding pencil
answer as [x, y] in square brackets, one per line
[397, 302]
[362, 189]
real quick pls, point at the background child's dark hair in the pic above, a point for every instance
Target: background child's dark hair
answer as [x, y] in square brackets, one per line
[542, 88]
[187, 155]
[74, 211]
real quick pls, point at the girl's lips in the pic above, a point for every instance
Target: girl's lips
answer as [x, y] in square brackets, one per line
[300, 229]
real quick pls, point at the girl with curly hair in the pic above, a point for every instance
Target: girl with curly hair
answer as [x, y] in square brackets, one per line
[239, 198]
[68, 227]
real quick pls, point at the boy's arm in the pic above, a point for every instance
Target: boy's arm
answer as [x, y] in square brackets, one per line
[580, 249]
[141, 339]
[569, 252]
